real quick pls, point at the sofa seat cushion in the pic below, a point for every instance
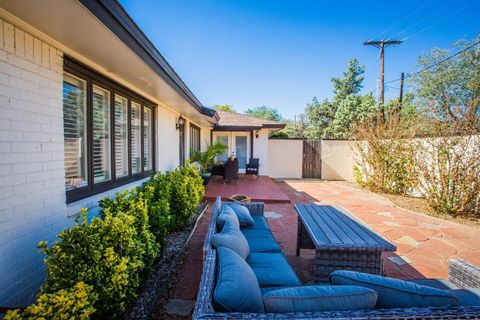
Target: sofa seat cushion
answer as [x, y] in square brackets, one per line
[394, 293]
[264, 290]
[319, 298]
[236, 288]
[232, 238]
[442, 284]
[272, 269]
[227, 214]
[243, 215]
[467, 296]
[260, 223]
[260, 240]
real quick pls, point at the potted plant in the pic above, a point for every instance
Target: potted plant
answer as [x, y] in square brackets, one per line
[207, 158]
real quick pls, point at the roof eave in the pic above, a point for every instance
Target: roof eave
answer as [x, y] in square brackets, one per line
[114, 17]
[274, 125]
[235, 128]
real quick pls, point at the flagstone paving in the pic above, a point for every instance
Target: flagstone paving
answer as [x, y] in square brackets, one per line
[424, 243]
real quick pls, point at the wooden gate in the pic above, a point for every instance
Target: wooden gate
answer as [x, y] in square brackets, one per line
[312, 160]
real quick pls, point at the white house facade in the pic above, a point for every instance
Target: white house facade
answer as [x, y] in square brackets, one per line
[88, 107]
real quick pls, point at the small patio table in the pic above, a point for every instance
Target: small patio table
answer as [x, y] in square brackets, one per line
[341, 241]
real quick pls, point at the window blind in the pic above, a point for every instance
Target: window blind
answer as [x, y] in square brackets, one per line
[121, 136]
[135, 117]
[75, 133]
[101, 134]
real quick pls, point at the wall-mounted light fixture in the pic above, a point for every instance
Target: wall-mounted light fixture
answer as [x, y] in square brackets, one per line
[180, 123]
[257, 133]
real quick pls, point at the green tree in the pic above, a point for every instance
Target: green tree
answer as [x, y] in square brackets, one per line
[338, 117]
[449, 90]
[352, 81]
[264, 112]
[224, 107]
[293, 129]
[351, 112]
[319, 115]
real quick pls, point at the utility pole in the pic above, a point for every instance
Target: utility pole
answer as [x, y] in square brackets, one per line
[382, 44]
[400, 98]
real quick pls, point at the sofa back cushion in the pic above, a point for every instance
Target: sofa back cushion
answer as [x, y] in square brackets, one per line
[227, 214]
[243, 215]
[394, 293]
[232, 238]
[236, 288]
[319, 298]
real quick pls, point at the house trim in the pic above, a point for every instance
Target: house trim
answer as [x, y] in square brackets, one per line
[114, 16]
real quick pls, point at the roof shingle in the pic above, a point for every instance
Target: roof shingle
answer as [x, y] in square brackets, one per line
[237, 120]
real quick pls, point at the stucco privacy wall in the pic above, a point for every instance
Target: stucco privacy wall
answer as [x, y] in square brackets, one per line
[285, 158]
[32, 194]
[338, 160]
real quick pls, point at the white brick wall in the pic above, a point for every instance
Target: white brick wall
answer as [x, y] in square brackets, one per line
[32, 196]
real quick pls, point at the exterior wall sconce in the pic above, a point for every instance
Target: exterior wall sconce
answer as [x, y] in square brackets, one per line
[180, 123]
[257, 133]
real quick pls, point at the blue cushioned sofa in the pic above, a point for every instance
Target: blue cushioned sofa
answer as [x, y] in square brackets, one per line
[261, 240]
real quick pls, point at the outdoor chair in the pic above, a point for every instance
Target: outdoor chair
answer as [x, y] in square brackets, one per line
[231, 170]
[252, 167]
[218, 170]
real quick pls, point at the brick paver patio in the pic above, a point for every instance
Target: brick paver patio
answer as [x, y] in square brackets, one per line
[425, 244]
[259, 188]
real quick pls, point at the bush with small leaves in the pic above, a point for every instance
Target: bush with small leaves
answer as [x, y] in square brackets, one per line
[76, 302]
[187, 191]
[133, 203]
[107, 254]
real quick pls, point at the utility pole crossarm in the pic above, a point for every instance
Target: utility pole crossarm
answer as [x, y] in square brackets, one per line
[379, 43]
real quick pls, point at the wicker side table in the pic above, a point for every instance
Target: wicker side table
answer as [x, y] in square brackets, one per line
[341, 241]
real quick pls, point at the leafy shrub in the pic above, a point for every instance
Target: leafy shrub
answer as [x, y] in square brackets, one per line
[450, 174]
[107, 254]
[386, 159]
[157, 193]
[133, 203]
[186, 193]
[74, 303]
[97, 267]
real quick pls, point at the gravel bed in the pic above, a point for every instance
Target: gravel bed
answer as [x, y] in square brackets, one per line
[161, 280]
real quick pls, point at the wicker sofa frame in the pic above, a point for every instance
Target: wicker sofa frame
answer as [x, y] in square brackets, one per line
[461, 273]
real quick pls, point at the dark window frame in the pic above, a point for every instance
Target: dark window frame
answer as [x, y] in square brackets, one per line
[193, 127]
[91, 77]
[181, 145]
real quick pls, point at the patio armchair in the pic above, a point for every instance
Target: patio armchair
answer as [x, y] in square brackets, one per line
[218, 170]
[231, 170]
[252, 167]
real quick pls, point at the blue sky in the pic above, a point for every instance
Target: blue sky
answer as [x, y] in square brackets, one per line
[283, 53]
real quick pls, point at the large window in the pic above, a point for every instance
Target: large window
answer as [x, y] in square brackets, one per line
[194, 137]
[108, 133]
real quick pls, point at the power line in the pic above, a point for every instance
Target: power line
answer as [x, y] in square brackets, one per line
[402, 19]
[436, 63]
[441, 20]
[419, 23]
[429, 67]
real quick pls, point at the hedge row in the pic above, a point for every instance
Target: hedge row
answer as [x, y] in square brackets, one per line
[97, 268]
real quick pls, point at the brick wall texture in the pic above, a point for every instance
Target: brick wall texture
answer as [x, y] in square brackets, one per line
[32, 196]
